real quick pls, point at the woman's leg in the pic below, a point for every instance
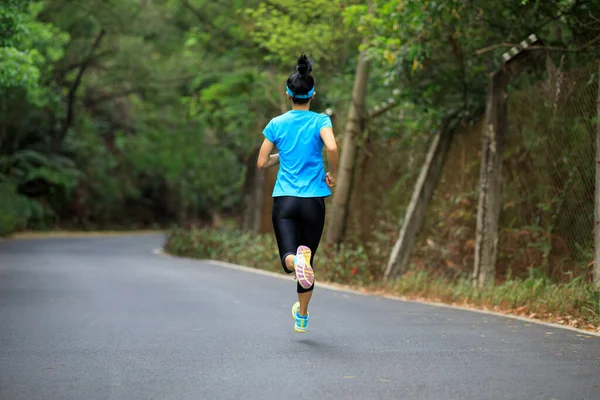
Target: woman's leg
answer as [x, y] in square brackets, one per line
[310, 231]
[286, 231]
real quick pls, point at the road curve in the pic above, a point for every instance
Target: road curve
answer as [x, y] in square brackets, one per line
[104, 318]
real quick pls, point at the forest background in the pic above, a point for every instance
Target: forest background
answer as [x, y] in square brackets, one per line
[468, 132]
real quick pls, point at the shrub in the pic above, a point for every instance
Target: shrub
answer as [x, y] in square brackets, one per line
[576, 302]
[346, 264]
[15, 210]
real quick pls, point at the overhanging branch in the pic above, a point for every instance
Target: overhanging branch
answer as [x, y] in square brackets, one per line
[206, 21]
[56, 143]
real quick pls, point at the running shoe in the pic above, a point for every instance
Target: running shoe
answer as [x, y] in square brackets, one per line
[304, 272]
[301, 324]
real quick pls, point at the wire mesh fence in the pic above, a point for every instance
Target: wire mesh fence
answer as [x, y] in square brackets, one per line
[386, 170]
[546, 223]
[549, 173]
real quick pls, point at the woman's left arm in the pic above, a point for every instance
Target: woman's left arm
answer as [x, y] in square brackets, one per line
[265, 158]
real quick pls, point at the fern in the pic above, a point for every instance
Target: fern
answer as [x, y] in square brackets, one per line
[27, 165]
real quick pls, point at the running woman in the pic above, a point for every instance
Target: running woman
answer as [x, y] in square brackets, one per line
[302, 184]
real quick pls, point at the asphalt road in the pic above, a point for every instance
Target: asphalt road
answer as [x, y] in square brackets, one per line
[104, 318]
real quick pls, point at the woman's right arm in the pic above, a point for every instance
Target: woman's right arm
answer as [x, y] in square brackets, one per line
[332, 154]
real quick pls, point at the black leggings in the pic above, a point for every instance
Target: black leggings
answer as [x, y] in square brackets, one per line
[298, 221]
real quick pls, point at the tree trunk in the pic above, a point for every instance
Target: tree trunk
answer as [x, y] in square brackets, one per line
[488, 211]
[257, 195]
[421, 197]
[4, 119]
[216, 220]
[266, 225]
[360, 187]
[246, 219]
[253, 196]
[354, 127]
[597, 210]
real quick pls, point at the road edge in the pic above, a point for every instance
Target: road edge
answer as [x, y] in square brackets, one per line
[33, 235]
[340, 288]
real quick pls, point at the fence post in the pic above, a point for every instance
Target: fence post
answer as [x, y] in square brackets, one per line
[421, 197]
[597, 197]
[490, 194]
[494, 138]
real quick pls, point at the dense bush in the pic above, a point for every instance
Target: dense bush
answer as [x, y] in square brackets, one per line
[16, 210]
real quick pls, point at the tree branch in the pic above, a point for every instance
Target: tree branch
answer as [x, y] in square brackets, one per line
[91, 57]
[459, 55]
[207, 22]
[57, 142]
[112, 96]
[91, 60]
[381, 109]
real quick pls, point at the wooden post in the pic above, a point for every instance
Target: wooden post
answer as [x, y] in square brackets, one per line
[421, 197]
[597, 202]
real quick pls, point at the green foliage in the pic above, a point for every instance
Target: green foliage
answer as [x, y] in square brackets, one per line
[17, 69]
[130, 150]
[26, 45]
[26, 166]
[439, 52]
[233, 110]
[284, 29]
[113, 111]
[16, 210]
[204, 176]
[11, 208]
[12, 21]
[288, 28]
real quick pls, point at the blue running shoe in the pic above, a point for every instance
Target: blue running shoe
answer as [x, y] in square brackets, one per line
[301, 322]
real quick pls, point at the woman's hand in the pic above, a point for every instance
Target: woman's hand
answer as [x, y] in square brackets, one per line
[330, 179]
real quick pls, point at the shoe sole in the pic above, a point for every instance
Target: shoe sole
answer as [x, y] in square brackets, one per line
[304, 272]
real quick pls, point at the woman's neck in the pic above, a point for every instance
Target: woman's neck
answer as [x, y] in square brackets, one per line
[301, 107]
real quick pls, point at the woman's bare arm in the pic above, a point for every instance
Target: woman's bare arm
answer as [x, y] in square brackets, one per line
[265, 158]
[332, 149]
[332, 155]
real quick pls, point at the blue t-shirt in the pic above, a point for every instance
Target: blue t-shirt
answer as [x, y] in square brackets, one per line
[297, 137]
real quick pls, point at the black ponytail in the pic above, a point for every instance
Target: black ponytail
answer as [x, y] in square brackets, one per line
[304, 66]
[301, 82]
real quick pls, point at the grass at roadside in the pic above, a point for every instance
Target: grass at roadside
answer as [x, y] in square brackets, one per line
[576, 303]
[77, 234]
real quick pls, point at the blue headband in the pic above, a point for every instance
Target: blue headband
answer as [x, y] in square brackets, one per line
[301, 96]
